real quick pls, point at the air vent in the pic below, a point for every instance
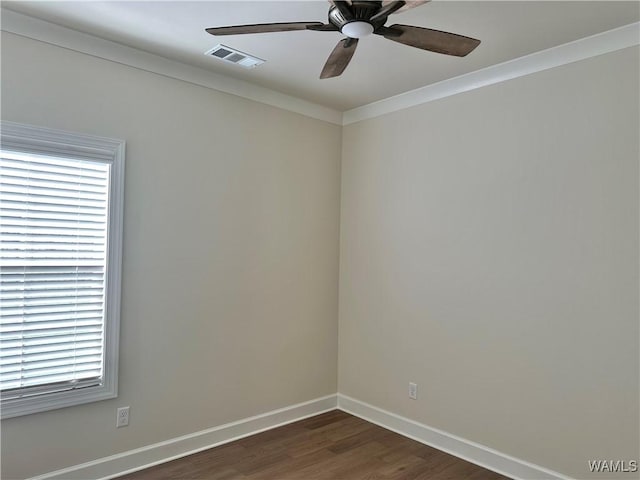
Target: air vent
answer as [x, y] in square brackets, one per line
[232, 55]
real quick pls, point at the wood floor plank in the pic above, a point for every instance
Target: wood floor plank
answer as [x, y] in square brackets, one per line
[289, 469]
[327, 436]
[324, 419]
[350, 464]
[405, 468]
[330, 446]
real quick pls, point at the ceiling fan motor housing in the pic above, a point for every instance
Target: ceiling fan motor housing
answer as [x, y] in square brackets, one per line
[361, 13]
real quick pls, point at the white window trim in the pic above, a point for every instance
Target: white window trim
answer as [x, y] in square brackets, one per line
[31, 139]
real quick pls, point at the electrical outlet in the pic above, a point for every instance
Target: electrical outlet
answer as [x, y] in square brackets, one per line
[413, 391]
[122, 417]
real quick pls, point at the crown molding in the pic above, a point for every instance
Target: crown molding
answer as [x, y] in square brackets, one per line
[599, 44]
[53, 34]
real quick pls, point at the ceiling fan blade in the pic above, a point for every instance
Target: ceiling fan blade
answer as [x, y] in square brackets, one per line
[263, 28]
[329, 27]
[388, 9]
[428, 39]
[408, 4]
[339, 58]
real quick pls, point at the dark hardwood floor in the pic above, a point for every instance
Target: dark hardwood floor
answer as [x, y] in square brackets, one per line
[331, 446]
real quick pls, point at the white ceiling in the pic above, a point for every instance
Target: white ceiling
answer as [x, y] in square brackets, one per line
[379, 69]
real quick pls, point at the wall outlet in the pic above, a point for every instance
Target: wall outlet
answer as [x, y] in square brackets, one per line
[413, 391]
[122, 417]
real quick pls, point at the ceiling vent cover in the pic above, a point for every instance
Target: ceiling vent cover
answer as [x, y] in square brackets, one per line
[232, 55]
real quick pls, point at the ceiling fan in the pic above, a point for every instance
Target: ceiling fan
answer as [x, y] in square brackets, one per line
[358, 18]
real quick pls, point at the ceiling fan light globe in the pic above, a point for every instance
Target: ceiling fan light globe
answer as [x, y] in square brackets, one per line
[357, 29]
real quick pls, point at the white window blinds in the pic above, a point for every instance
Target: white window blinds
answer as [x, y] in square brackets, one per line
[53, 257]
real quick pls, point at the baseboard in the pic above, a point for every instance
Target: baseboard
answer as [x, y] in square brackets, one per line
[473, 452]
[150, 455]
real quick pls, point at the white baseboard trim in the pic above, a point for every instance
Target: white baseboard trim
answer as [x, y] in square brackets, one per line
[150, 455]
[157, 453]
[473, 452]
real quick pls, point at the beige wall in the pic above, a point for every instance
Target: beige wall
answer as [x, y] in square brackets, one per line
[489, 253]
[229, 305]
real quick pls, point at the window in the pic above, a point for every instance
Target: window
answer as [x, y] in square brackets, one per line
[61, 199]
